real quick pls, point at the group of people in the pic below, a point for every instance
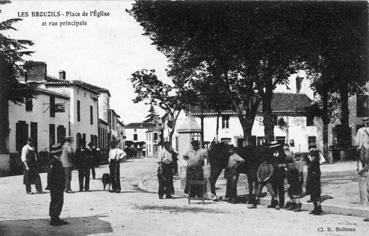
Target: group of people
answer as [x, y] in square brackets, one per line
[278, 166]
[281, 165]
[61, 162]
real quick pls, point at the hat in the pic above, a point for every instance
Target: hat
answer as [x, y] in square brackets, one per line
[366, 120]
[68, 138]
[274, 144]
[56, 149]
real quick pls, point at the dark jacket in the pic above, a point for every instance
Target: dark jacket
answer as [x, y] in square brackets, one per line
[56, 177]
[279, 171]
[84, 159]
[313, 185]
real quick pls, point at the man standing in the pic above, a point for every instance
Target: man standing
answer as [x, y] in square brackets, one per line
[115, 155]
[56, 183]
[30, 171]
[165, 171]
[362, 139]
[279, 174]
[83, 162]
[67, 162]
[94, 161]
[232, 175]
[195, 160]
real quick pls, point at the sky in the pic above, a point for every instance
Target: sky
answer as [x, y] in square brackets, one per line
[105, 52]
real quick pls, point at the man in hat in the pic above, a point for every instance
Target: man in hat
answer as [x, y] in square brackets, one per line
[195, 160]
[362, 139]
[56, 183]
[83, 161]
[279, 174]
[115, 155]
[30, 172]
[232, 174]
[165, 171]
[66, 158]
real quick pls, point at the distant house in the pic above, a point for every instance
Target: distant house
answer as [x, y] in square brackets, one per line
[295, 126]
[152, 140]
[136, 136]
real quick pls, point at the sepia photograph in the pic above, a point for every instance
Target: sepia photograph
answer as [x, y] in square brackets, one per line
[184, 117]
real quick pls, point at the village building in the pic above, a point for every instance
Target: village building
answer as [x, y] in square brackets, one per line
[153, 137]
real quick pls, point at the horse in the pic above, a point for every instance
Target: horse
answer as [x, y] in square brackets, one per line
[253, 155]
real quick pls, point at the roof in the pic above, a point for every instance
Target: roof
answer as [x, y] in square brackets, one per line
[53, 81]
[48, 92]
[291, 104]
[140, 125]
[103, 122]
[120, 122]
[116, 114]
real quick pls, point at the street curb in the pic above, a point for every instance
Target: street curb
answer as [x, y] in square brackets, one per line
[327, 208]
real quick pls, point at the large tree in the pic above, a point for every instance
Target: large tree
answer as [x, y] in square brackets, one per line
[337, 59]
[247, 47]
[11, 59]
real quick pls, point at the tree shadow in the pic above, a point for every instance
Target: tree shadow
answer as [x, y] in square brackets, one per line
[178, 209]
[77, 226]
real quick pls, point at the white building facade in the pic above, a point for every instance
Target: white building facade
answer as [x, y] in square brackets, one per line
[45, 118]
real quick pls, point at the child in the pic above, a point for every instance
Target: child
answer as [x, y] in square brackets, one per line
[313, 186]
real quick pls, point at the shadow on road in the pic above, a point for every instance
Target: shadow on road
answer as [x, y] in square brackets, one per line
[77, 226]
[177, 209]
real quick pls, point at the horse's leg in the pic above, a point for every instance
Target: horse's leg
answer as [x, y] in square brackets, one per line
[215, 172]
[253, 186]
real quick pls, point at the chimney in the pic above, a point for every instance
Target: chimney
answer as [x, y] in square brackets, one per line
[298, 83]
[35, 71]
[62, 74]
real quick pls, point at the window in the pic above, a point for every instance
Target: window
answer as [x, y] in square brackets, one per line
[51, 134]
[155, 136]
[78, 110]
[52, 106]
[260, 141]
[362, 105]
[135, 137]
[34, 134]
[91, 115]
[311, 140]
[78, 140]
[60, 133]
[309, 120]
[29, 105]
[225, 122]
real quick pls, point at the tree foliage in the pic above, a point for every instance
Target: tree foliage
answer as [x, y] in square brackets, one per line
[248, 48]
[150, 89]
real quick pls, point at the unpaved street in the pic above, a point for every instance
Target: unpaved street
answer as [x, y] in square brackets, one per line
[133, 212]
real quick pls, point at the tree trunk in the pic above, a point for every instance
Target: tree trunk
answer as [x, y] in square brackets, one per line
[217, 127]
[325, 125]
[247, 129]
[344, 104]
[267, 114]
[4, 112]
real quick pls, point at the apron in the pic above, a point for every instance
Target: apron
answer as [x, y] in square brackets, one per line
[30, 176]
